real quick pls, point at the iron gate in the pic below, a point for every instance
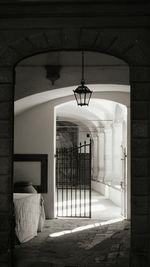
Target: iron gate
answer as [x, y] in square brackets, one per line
[73, 181]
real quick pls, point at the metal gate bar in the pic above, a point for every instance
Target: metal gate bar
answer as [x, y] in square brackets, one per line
[73, 181]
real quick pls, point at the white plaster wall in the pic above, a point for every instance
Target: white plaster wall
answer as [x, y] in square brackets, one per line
[100, 188]
[119, 142]
[117, 137]
[117, 93]
[31, 79]
[99, 68]
[33, 134]
[108, 191]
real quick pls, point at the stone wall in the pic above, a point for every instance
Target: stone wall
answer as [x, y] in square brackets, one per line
[140, 164]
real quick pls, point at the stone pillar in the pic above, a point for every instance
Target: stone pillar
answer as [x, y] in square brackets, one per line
[6, 170]
[50, 196]
[101, 150]
[140, 167]
[108, 154]
[95, 156]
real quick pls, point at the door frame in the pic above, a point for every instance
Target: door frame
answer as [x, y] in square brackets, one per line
[112, 96]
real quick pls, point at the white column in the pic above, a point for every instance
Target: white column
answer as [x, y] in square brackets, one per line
[49, 198]
[95, 156]
[108, 155]
[101, 151]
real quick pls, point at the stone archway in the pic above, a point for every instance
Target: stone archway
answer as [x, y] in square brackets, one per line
[129, 45]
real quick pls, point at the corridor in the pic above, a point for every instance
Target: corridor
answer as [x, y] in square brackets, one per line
[101, 207]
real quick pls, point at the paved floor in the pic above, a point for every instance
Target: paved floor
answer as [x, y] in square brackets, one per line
[101, 208]
[82, 243]
[78, 243]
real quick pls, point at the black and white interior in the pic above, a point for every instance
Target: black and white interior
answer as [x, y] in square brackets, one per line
[43, 108]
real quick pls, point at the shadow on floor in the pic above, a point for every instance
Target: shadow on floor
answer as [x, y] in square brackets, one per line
[100, 246]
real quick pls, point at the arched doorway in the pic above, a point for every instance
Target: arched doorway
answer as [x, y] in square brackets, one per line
[107, 31]
[46, 113]
[109, 153]
[35, 79]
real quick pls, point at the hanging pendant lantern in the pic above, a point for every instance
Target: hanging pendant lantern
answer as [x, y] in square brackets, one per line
[82, 93]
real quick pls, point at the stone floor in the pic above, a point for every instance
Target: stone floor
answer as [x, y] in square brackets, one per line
[101, 207]
[77, 243]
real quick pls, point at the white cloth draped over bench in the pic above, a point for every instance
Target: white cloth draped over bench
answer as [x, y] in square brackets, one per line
[29, 215]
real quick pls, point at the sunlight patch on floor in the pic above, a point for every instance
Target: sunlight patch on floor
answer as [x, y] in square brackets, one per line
[86, 227]
[77, 205]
